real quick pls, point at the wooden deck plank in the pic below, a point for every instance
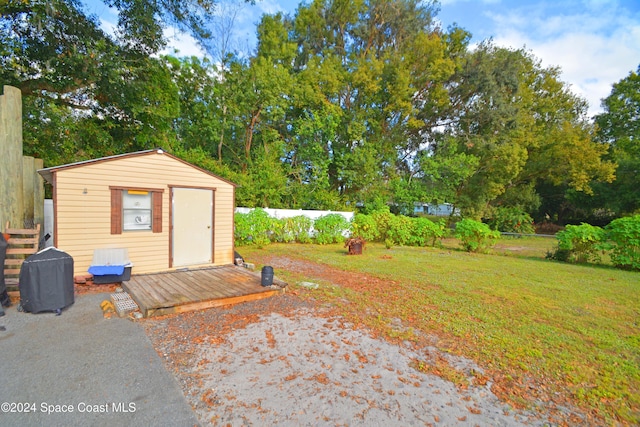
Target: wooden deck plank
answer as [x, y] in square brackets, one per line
[175, 285]
[172, 290]
[139, 295]
[157, 292]
[202, 286]
[197, 289]
[152, 292]
[142, 293]
[225, 281]
[241, 277]
[216, 277]
[197, 281]
[173, 293]
[152, 285]
[246, 275]
[230, 285]
[237, 283]
[202, 305]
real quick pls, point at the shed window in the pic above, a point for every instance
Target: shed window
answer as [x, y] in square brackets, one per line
[134, 209]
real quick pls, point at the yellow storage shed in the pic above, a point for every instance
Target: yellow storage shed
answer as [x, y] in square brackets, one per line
[168, 213]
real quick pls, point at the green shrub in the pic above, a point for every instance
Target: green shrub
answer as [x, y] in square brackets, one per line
[253, 228]
[512, 220]
[364, 226]
[280, 231]
[330, 228]
[397, 230]
[475, 236]
[382, 219]
[581, 242]
[624, 235]
[558, 254]
[300, 226]
[427, 232]
[293, 229]
[400, 230]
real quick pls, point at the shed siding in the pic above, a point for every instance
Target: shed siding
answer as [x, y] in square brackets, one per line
[84, 218]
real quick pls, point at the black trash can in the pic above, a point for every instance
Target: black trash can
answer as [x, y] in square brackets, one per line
[267, 276]
[46, 281]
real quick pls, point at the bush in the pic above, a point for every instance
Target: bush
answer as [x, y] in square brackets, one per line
[278, 233]
[397, 230]
[253, 228]
[624, 235]
[400, 231]
[301, 228]
[512, 220]
[293, 229]
[558, 254]
[329, 228]
[382, 219]
[581, 243]
[427, 232]
[475, 236]
[364, 226]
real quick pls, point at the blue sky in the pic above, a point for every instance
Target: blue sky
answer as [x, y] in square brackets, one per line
[594, 42]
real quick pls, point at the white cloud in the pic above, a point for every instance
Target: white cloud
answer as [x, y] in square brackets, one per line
[183, 43]
[108, 26]
[450, 2]
[269, 6]
[594, 47]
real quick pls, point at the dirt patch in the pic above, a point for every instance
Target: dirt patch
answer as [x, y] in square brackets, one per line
[288, 360]
[356, 281]
[285, 361]
[511, 248]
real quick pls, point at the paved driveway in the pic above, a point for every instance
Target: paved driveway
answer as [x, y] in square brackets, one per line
[79, 369]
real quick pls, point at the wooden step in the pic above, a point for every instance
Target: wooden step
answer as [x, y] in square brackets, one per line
[22, 242]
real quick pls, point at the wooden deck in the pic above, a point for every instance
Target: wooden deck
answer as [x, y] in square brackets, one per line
[187, 290]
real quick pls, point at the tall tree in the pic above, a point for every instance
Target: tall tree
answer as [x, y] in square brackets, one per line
[519, 125]
[93, 85]
[368, 59]
[619, 125]
[199, 124]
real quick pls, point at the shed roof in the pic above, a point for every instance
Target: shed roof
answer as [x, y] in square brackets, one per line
[47, 173]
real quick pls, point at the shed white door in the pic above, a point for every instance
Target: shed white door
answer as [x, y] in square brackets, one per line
[192, 238]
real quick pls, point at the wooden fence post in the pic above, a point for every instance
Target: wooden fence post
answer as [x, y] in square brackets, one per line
[21, 187]
[11, 189]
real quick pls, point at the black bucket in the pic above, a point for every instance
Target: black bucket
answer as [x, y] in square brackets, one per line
[267, 276]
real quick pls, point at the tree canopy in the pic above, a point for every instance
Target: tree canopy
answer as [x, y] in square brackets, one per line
[344, 104]
[619, 126]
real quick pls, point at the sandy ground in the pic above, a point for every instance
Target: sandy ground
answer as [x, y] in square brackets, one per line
[284, 362]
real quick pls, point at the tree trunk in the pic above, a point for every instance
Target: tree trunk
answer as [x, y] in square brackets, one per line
[249, 137]
[224, 121]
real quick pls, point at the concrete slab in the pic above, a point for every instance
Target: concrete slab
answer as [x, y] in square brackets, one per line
[80, 369]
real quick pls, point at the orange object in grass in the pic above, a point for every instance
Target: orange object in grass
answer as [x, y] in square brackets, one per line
[6, 236]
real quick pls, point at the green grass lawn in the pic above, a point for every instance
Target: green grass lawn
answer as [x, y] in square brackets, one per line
[539, 328]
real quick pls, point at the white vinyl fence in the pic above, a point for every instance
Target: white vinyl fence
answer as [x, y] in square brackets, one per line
[290, 213]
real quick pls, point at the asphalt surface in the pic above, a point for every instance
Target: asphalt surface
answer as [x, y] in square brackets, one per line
[79, 369]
